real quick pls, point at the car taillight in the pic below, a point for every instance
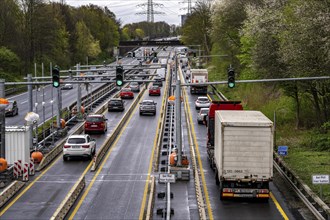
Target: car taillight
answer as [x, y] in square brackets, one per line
[227, 190]
[66, 146]
[102, 124]
[85, 146]
[263, 191]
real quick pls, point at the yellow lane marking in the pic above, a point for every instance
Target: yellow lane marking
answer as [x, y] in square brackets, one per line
[74, 212]
[208, 204]
[278, 206]
[146, 187]
[27, 188]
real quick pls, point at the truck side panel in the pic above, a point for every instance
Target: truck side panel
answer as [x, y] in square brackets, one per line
[242, 152]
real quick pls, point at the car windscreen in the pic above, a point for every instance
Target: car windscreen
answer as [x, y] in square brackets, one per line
[76, 140]
[115, 102]
[94, 119]
[147, 103]
[203, 99]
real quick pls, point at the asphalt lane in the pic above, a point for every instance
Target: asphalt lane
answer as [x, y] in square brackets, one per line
[232, 209]
[46, 193]
[118, 189]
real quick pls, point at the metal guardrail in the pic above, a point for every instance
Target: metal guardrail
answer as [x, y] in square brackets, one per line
[198, 188]
[319, 209]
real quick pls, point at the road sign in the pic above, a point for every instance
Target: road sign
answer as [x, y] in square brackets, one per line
[166, 178]
[321, 179]
[282, 150]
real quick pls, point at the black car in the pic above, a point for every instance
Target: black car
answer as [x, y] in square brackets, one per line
[12, 109]
[116, 104]
[158, 82]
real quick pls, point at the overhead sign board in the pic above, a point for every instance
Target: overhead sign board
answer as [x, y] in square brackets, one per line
[282, 150]
[321, 179]
[151, 43]
[166, 178]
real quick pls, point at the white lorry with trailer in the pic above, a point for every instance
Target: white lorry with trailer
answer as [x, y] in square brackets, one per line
[243, 150]
[198, 76]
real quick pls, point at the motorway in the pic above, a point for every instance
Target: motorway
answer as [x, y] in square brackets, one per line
[119, 188]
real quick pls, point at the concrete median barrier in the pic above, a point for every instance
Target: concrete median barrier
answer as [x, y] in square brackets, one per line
[10, 191]
[69, 200]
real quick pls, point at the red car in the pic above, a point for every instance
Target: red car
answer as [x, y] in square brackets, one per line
[126, 93]
[154, 90]
[96, 123]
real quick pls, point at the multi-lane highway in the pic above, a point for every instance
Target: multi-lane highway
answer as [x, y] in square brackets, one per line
[120, 187]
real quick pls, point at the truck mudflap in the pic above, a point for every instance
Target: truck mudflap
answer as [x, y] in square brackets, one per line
[245, 193]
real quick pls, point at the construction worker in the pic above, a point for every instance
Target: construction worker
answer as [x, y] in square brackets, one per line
[174, 157]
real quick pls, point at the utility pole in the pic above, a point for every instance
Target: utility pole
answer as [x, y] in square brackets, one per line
[79, 116]
[2, 121]
[30, 102]
[150, 10]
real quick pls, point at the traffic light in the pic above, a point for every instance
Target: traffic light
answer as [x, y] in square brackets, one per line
[119, 75]
[56, 76]
[231, 78]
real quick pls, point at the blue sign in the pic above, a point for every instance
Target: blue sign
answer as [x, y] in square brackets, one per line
[282, 150]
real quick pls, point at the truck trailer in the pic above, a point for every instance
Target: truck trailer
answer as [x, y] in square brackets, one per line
[198, 76]
[243, 150]
[217, 105]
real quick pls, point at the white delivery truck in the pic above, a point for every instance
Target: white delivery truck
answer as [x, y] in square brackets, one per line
[243, 150]
[161, 73]
[198, 76]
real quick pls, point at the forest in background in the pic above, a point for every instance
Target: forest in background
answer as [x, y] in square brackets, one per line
[39, 31]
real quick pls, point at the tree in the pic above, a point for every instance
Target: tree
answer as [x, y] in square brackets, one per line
[86, 45]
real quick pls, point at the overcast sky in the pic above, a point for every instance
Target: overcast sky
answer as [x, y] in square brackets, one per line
[126, 10]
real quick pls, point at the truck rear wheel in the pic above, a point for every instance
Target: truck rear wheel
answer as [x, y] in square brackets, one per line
[217, 182]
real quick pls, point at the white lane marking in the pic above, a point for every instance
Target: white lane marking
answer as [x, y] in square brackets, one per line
[24, 102]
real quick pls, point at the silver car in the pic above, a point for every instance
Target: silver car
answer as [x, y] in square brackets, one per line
[202, 102]
[135, 87]
[202, 113]
[79, 146]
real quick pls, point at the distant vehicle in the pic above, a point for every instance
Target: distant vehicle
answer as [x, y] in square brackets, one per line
[135, 87]
[11, 109]
[79, 146]
[105, 78]
[67, 86]
[154, 90]
[199, 76]
[96, 123]
[148, 107]
[116, 104]
[126, 93]
[90, 76]
[201, 115]
[202, 102]
[161, 73]
[158, 82]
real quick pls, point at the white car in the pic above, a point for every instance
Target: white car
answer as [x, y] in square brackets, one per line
[202, 113]
[79, 146]
[67, 86]
[202, 102]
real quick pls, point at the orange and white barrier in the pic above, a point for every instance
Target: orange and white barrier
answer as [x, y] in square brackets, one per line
[19, 167]
[31, 167]
[25, 172]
